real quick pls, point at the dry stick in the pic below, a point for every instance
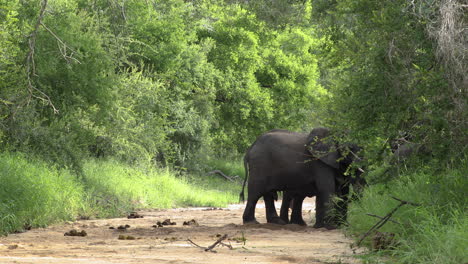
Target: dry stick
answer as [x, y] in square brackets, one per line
[226, 245]
[224, 175]
[216, 243]
[383, 218]
[193, 243]
[380, 223]
[406, 202]
[210, 248]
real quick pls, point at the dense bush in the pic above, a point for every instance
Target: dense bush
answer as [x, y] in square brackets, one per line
[155, 81]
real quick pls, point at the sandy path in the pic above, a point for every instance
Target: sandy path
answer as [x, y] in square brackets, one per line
[265, 243]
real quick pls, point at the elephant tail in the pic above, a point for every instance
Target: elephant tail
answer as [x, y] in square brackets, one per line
[246, 167]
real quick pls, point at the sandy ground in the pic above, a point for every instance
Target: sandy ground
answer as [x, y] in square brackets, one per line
[262, 243]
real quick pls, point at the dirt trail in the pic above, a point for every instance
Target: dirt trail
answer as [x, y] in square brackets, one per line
[264, 243]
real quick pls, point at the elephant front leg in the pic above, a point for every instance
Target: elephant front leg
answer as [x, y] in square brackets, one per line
[296, 215]
[322, 210]
[271, 214]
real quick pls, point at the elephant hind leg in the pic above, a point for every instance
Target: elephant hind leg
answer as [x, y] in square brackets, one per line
[285, 204]
[249, 212]
[296, 215]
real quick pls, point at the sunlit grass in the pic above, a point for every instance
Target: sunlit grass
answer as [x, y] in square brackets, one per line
[118, 188]
[33, 193]
[435, 232]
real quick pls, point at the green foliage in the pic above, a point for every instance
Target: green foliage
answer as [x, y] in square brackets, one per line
[151, 81]
[270, 76]
[431, 233]
[33, 194]
[384, 77]
[113, 189]
[386, 81]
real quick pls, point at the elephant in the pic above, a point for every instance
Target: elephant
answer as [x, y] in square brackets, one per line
[294, 199]
[299, 164]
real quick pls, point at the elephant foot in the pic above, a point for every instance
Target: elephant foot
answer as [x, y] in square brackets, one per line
[285, 219]
[251, 222]
[327, 226]
[298, 222]
[276, 220]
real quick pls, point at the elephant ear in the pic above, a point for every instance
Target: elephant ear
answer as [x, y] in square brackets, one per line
[321, 146]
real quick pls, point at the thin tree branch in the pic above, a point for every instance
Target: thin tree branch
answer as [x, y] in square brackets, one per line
[393, 221]
[64, 52]
[31, 66]
[193, 243]
[406, 202]
[232, 179]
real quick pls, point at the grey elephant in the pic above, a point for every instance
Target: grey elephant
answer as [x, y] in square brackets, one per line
[294, 199]
[300, 164]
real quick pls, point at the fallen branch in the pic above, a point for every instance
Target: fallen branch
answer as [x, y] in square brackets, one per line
[406, 202]
[226, 245]
[210, 248]
[393, 221]
[216, 243]
[386, 218]
[193, 243]
[232, 179]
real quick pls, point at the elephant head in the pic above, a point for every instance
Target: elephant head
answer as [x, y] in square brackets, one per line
[322, 146]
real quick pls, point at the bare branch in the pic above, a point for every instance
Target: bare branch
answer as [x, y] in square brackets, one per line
[406, 202]
[210, 248]
[232, 178]
[193, 243]
[64, 51]
[393, 221]
[31, 66]
[216, 243]
[384, 219]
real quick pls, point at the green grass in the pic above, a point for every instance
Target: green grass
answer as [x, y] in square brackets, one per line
[435, 232]
[33, 193]
[115, 188]
[230, 167]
